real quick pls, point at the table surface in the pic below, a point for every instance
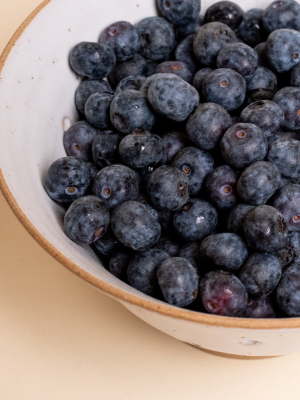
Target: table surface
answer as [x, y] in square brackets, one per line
[62, 339]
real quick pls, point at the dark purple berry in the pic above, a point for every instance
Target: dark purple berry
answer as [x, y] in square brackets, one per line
[222, 293]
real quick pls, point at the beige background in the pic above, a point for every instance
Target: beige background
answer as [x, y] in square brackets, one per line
[62, 339]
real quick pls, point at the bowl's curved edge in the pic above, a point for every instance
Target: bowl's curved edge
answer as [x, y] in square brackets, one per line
[170, 311]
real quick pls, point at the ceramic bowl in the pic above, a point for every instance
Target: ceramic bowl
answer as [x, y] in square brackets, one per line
[37, 101]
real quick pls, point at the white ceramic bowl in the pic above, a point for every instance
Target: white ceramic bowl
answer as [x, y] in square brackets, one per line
[37, 97]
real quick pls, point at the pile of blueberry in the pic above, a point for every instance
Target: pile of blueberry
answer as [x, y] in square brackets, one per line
[184, 170]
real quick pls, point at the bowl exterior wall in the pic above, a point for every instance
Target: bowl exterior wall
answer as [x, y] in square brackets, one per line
[233, 341]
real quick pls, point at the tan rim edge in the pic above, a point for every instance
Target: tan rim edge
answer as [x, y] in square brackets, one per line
[163, 309]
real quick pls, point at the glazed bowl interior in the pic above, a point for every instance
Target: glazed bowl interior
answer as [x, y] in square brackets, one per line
[37, 90]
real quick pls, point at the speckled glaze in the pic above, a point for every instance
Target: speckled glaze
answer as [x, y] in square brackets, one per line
[31, 136]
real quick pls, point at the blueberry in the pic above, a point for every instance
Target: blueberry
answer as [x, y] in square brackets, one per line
[281, 14]
[123, 38]
[225, 251]
[78, 140]
[136, 65]
[261, 52]
[285, 255]
[260, 308]
[115, 184]
[97, 109]
[250, 30]
[196, 164]
[172, 143]
[265, 114]
[225, 87]
[183, 31]
[130, 110]
[265, 229]
[207, 125]
[108, 244]
[185, 52]
[239, 57]
[287, 201]
[178, 281]
[258, 183]
[142, 268]
[67, 179]
[243, 144]
[105, 148]
[257, 95]
[168, 188]
[179, 12]
[177, 68]
[141, 149]
[92, 60]
[133, 82]
[284, 153]
[288, 291]
[195, 220]
[86, 220]
[87, 88]
[145, 86]
[227, 12]
[221, 187]
[118, 263]
[210, 39]
[291, 252]
[295, 76]
[134, 226]
[157, 38]
[192, 253]
[168, 245]
[260, 274]
[288, 99]
[283, 49]
[236, 218]
[199, 78]
[263, 78]
[172, 97]
[222, 293]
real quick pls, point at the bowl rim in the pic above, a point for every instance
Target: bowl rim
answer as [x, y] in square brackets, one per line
[161, 308]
